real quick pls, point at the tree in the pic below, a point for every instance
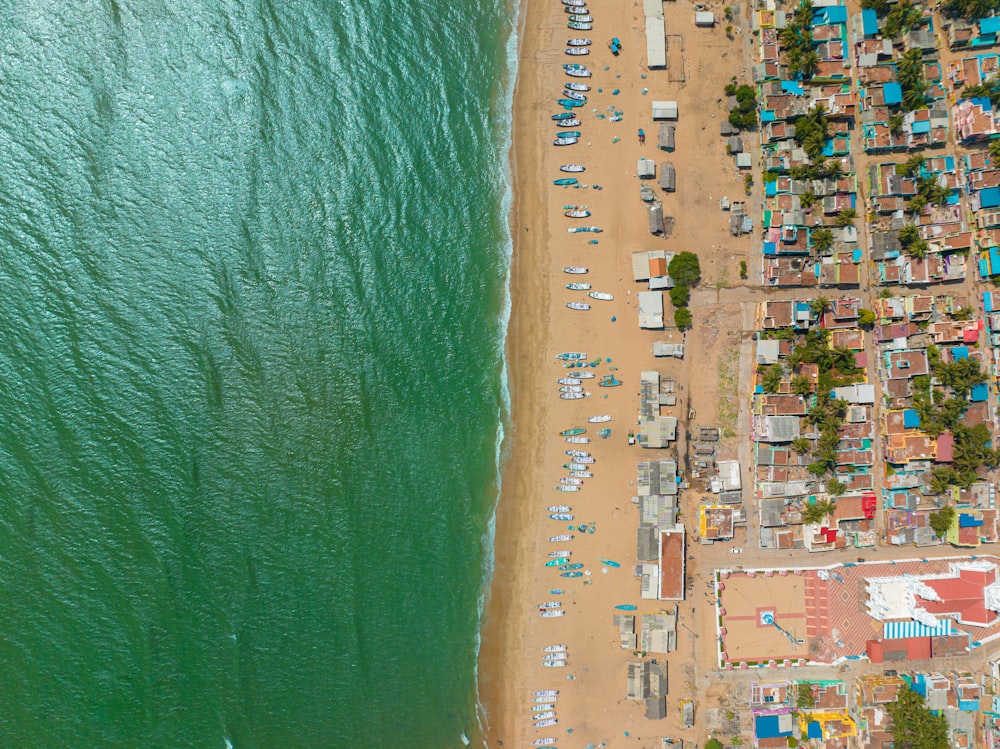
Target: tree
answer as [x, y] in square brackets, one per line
[685, 269]
[801, 445]
[913, 165]
[804, 699]
[714, 744]
[910, 73]
[682, 318]
[995, 150]
[819, 306]
[866, 318]
[679, 295]
[971, 10]
[846, 217]
[807, 199]
[911, 241]
[771, 379]
[941, 520]
[822, 239]
[836, 487]
[815, 513]
[801, 385]
[914, 726]
[896, 124]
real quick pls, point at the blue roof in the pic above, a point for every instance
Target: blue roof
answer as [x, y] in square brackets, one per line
[770, 248]
[921, 127]
[771, 188]
[892, 92]
[793, 87]
[910, 628]
[911, 419]
[869, 22]
[767, 727]
[960, 352]
[989, 25]
[988, 301]
[994, 254]
[831, 14]
[984, 102]
[965, 520]
[989, 198]
[815, 730]
[979, 393]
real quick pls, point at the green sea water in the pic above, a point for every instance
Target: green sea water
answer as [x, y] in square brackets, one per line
[253, 262]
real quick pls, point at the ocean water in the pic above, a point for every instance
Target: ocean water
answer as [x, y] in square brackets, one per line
[253, 262]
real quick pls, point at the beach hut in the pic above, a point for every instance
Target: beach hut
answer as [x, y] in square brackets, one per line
[704, 18]
[668, 177]
[666, 141]
[656, 218]
[734, 144]
[744, 160]
[664, 110]
[646, 169]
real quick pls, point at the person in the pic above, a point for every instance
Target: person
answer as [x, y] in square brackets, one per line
[642, 137]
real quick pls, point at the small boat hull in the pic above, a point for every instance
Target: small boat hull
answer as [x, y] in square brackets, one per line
[576, 270]
[601, 295]
[578, 440]
[568, 123]
[578, 26]
[560, 516]
[568, 567]
[577, 51]
[580, 41]
[578, 286]
[626, 607]
[579, 73]
[571, 396]
[568, 134]
[567, 488]
[572, 356]
[572, 432]
[565, 181]
[559, 508]
[572, 168]
[569, 103]
[599, 419]
[609, 562]
[580, 306]
[564, 141]
[570, 574]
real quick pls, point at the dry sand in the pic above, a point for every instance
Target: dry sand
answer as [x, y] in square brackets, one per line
[592, 703]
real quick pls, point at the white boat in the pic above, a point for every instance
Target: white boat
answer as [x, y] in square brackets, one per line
[578, 453]
[565, 141]
[578, 286]
[580, 41]
[576, 10]
[572, 356]
[561, 554]
[561, 516]
[581, 306]
[582, 474]
[569, 381]
[602, 295]
[555, 649]
[574, 95]
[578, 440]
[581, 375]
[576, 214]
[544, 716]
[572, 167]
[570, 481]
[566, 488]
[577, 51]
[575, 467]
[555, 657]
[577, 26]
[545, 693]
[551, 613]
[542, 707]
[550, 721]
[599, 419]
[559, 508]
[572, 396]
[550, 605]
[579, 73]
[581, 19]
[552, 664]
[568, 123]
[561, 537]
[571, 389]
[574, 3]
[575, 270]
[585, 460]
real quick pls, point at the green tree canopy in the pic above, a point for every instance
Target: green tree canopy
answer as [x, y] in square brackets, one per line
[914, 726]
[682, 318]
[941, 520]
[866, 318]
[685, 269]
[679, 295]
[815, 513]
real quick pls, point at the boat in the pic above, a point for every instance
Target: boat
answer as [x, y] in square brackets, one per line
[561, 554]
[603, 433]
[579, 41]
[609, 381]
[555, 649]
[579, 73]
[583, 230]
[574, 2]
[551, 664]
[602, 295]
[581, 18]
[567, 488]
[570, 574]
[563, 116]
[578, 305]
[568, 567]
[578, 286]
[577, 214]
[586, 460]
[574, 86]
[578, 440]
[572, 432]
[560, 516]
[543, 742]
[541, 707]
[609, 562]
[555, 656]
[568, 123]
[626, 607]
[578, 453]
[574, 95]
[545, 693]
[577, 51]
[569, 103]
[572, 168]
[582, 474]
[572, 356]
[551, 613]
[550, 605]
[575, 270]
[569, 134]
[572, 396]
[576, 10]
[561, 537]
[583, 375]
[574, 66]
[564, 141]
[565, 181]
[599, 419]
[559, 508]
[574, 466]
[554, 563]
[544, 716]
[569, 381]
[578, 26]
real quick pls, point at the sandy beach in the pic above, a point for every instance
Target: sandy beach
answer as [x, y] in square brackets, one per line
[591, 706]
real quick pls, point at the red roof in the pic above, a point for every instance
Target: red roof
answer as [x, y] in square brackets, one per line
[873, 649]
[963, 596]
[917, 648]
[945, 448]
[970, 335]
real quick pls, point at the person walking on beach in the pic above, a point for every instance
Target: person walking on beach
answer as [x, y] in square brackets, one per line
[642, 137]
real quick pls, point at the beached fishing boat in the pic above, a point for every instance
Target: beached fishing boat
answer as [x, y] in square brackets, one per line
[578, 26]
[609, 562]
[561, 554]
[551, 664]
[580, 41]
[574, 86]
[561, 656]
[559, 508]
[543, 742]
[576, 10]
[568, 567]
[565, 181]
[574, 95]
[551, 613]
[577, 214]
[572, 168]
[578, 286]
[599, 419]
[564, 141]
[583, 375]
[572, 432]
[578, 453]
[576, 270]
[582, 306]
[570, 574]
[568, 123]
[568, 134]
[566, 488]
[554, 563]
[572, 396]
[544, 716]
[583, 230]
[571, 356]
[570, 103]
[570, 481]
[582, 474]
[542, 707]
[579, 73]
[550, 605]
[577, 51]
[560, 516]
[569, 381]
[563, 116]
[626, 607]
[574, 466]
[581, 18]
[602, 295]
[571, 389]
[545, 693]
[555, 649]
[561, 538]
[578, 440]
[574, 2]
[609, 381]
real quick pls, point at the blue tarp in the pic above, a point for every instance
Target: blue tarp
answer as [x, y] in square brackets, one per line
[989, 198]
[921, 127]
[815, 730]
[911, 419]
[767, 727]
[989, 25]
[793, 87]
[965, 520]
[960, 352]
[979, 393]
[830, 15]
[892, 92]
[770, 248]
[869, 22]
[771, 188]
[988, 301]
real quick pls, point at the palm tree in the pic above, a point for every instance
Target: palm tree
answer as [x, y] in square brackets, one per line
[814, 513]
[802, 445]
[846, 217]
[913, 165]
[819, 306]
[801, 385]
[822, 240]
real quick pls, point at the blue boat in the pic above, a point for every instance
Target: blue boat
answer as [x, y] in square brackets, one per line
[609, 562]
[568, 134]
[565, 181]
[626, 607]
[570, 103]
[570, 574]
[609, 381]
[563, 116]
[568, 567]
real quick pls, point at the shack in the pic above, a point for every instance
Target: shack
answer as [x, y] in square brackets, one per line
[664, 110]
[666, 142]
[656, 218]
[646, 169]
[704, 18]
[651, 310]
[668, 177]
